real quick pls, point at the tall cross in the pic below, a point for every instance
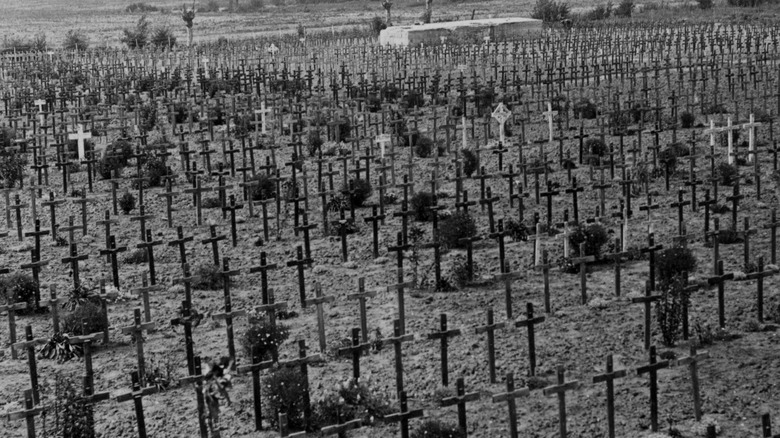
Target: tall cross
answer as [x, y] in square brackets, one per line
[80, 136]
[550, 114]
[751, 127]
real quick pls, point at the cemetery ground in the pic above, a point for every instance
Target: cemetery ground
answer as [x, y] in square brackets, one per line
[555, 183]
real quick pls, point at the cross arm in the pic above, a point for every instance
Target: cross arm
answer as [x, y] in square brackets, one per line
[449, 401]
[505, 396]
[558, 389]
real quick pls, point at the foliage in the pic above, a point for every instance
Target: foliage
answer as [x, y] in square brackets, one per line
[115, 157]
[361, 191]
[601, 12]
[420, 203]
[211, 202]
[85, 319]
[669, 309]
[687, 119]
[163, 37]
[138, 37]
[285, 389]
[159, 370]
[264, 189]
[727, 174]
[550, 11]
[12, 166]
[594, 236]
[423, 146]
[337, 203]
[59, 347]
[597, 149]
[585, 109]
[141, 7]
[672, 262]
[80, 295]
[470, 162]
[746, 3]
[127, 203]
[265, 336]
[314, 142]
[351, 399]
[516, 230]
[624, 9]
[154, 169]
[147, 117]
[459, 274]
[437, 429]
[136, 257]
[377, 24]
[209, 277]
[67, 415]
[19, 288]
[456, 226]
[75, 40]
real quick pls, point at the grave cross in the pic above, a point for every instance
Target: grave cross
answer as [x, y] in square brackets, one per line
[609, 376]
[148, 245]
[549, 114]
[214, 240]
[652, 369]
[404, 415]
[444, 334]
[356, 349]
[137, 395]
[560, 390]
[28, 413]
[509, 397]
[29, 345]
[490, 329]
[112, 252]
[319, 300]
[361, 295]
[720, 279]
[302, 362]
[530, 322]
[460, 399]
[647, 300]
[229, 313]
[397, 339]
[693, 361]
[136, 331]
[254, 368]
[759, 275]
[583, 261]
[766, 427]
[80, 136]
[300, 263]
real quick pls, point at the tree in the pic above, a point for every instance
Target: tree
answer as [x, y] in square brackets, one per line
[387, 4]
[188, 17]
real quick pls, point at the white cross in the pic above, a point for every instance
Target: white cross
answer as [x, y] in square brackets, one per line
[273, 49]
[382, 141]
[550, 114]
[263, 111]
[464, 132]
[751, 127]
[206, 66]
[501, 114]
[40, 103]
[712, 131]
[80, 136]
[729, 127]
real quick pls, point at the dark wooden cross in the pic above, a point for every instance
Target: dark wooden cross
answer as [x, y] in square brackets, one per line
[28, 413]
[73, 259]
[83, 200]
[356, 350]
[29, 345]
[693, 365]
[652, 369]
[361, 295]
[460, 399]
[490, 329]
[583, 261]
[214, 240]
[509, 397]
[647, 300]
[112, 252]
[148, 245]
[137, 395]
[107, 222]
[319, 301]
[229, 313]
[254, 368]
[263, 269]
[443, 335]
[651, 248]
[773, 225]
[609, 376]
[300, 263]
[397, 339]
[530, 322]
[720, 279]
[766, 427]
[404, 415]
[136, 331]
[181, 241]
[232, 207]
[302, 362]
[560, 390]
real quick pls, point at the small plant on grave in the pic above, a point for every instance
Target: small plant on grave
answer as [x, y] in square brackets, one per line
[550, 11]
[154, 169]
[668, 158]
[593, 235]
[284, 392]
[516, 230]
[729, 236]
[702, 334]
[127, 202]
[772, 306]
[12, 167]
[441, 393]
[209, 277]
[291, 190]
[459, 275]
[265, 336]
[263, 189]
[138, 37]
[470, 162]
[361, 191]
[147, 117]
[66, 415]
[705, 4]
[727, 174]
[351, 399]
[210, 202]
[19, 288]
[669, 309]
[672, 262]
[619, 120]
[160, 370]
[420, 204]
[392, 197]
[80, 295]
[136, 257]
[215, 390]
[436, 429]
[90, 313]
[687, 120]
[423, 147]
[585, 109]
[163, 38]
[597, 148]
[413, 99]
[456, 226]
[59, 348]
[314, 142]
[337, 203]
[625, 9]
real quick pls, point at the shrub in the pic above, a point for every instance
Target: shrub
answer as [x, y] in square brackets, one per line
[727, 174]
[423, 147]
[601, 12]
[265, 336]
[12, 166]
[437, 429]
[669, 310]
[456, 226]
[420, 203]
[585, 109]
[314, 142]
[127, 203]
[68, 415]
[141, 7]
[377, 25]
[136, 257]
[59, 348]
[147, 117]
[597, 148]
[516, 230]
[154, 169]
[672, 262]
[88, 312]
[351, 399]
[687, 120]
[19, 288]
[163, 37]
[470, 162]
[209, 277]
[75, 40]
[594, 236]
[137, 37]
[210, 202]
[361, 191]
[264, 189]
[284, 392]
[624, 9]
[550, 11]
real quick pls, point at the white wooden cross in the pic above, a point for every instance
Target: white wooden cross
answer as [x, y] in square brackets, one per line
[80, 136]
[272, 49]
[728, 128]
[465, 145]
[712, 131]
[39, 103]
[263, 111]
[751, 127]
[501, 114]
[206, 66]
[382, 141]
[550, 114]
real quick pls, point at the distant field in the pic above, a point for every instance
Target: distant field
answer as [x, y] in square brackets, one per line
[103, 20]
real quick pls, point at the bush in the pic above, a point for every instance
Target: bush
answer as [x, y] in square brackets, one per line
[361, 191]
[516, 230]
[594, 236]
[597, 148]
[141, 7]
[377, 25]
[585, 109]
[265, 336]
[672, 262]
[550, 11]
[420, 203]
[423, 147]
[127, 203]
[154, 169]
[284, 392]
[456, 226]
[19, 288]
[687, 120]
[137, 37]
[163, 37]
[264, 189]
[136, 257]
[624, 9]
[315, 143]
[75, 40]
[669, 310]
[147, 117]
[470, 162]
[727, 174]
[87, 312]
[12, 166]
[68, 415]
[211, 202]
[352, 399]
[437, 429]
[209, 277]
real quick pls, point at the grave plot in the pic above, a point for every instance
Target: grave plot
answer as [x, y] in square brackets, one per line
[566, 236]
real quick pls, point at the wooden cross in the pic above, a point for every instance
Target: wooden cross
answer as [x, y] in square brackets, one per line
[460, 399]
[112, 252]
[444, 334]
[137, 395]
[766, 427]
[28, 413]
[549, 114]
[692, 361]
[751, 127]
[647, 300]
[302, 363]
[720, 279]
[652, 370]
[254, 368]
[404, 415]
[355, 350]
[80, 136]
[300, 263]
[319, 300]
[509, 397]
[609, 376]
[180, 241]
[397, 339]
[560, 390]
[29, 344]
[196, 379]
[490, 329]
[583, 261]
[136, 331]
[361, 295]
